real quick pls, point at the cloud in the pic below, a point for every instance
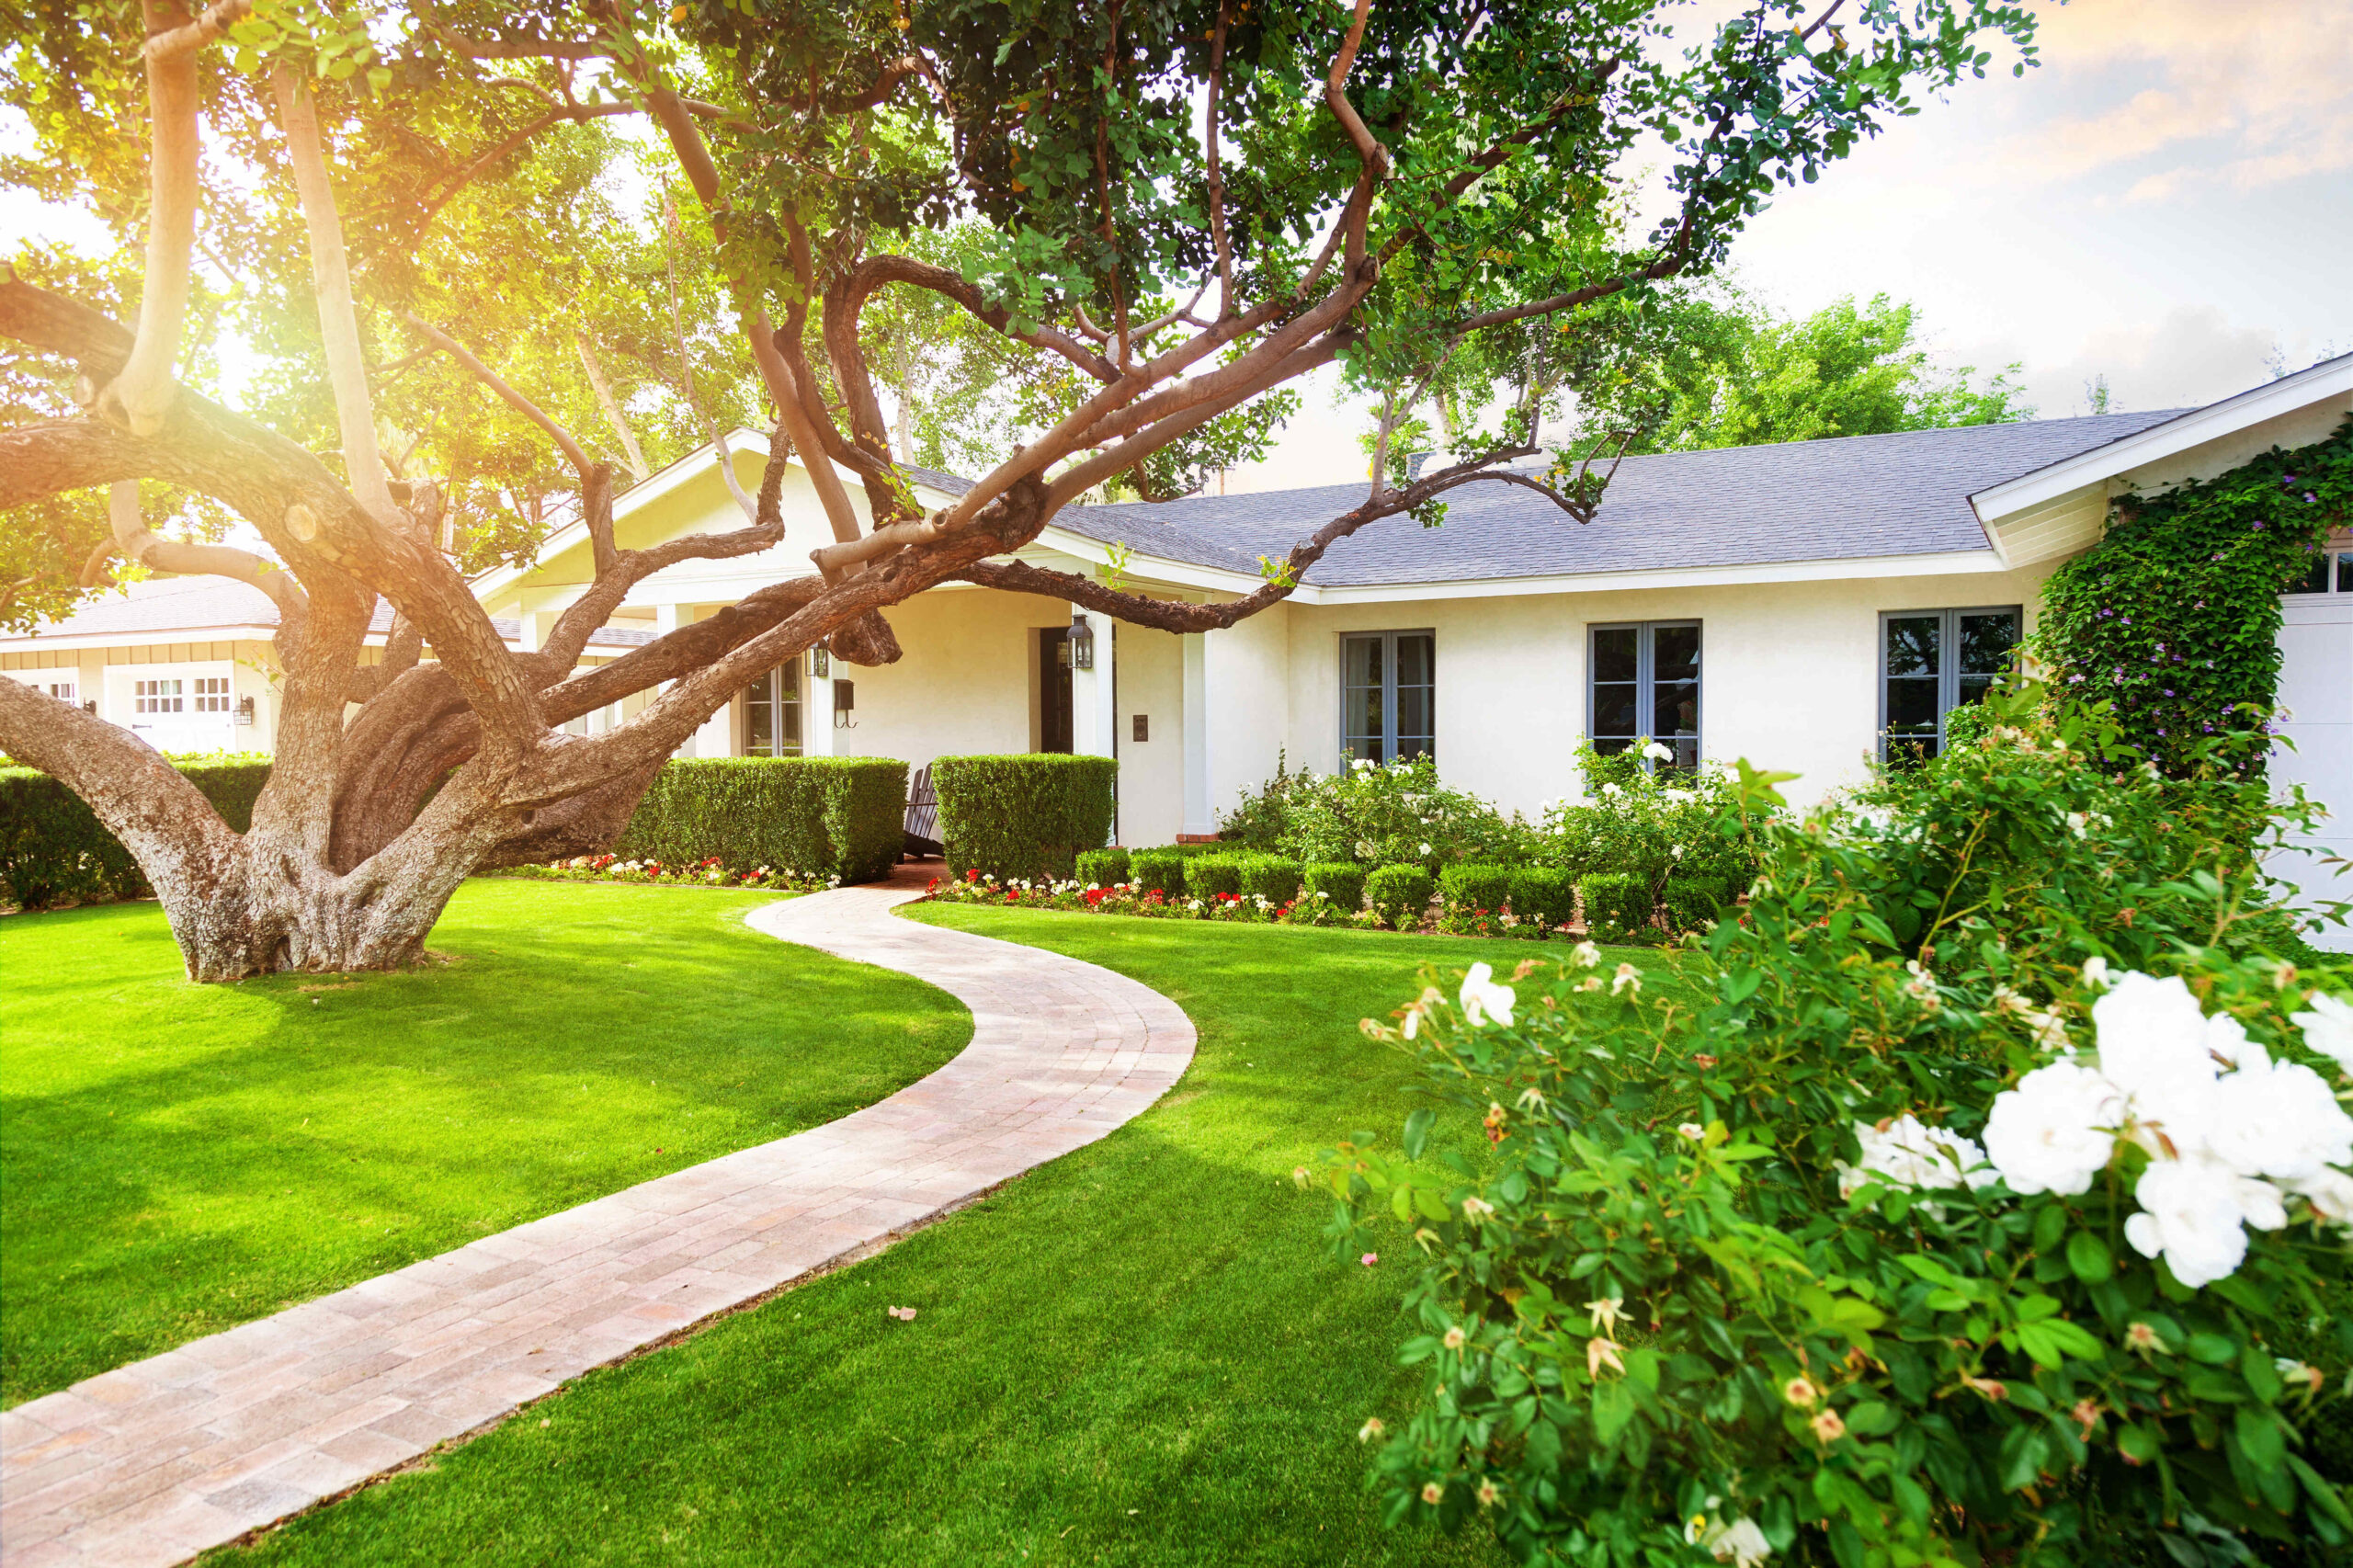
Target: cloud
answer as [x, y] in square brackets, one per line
[2191, 355]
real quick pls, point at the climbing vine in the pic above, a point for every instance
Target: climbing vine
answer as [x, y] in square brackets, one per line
[2174, 615]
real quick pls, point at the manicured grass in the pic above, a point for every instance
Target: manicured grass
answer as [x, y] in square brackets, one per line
[1140, 1353]
[177, 1158]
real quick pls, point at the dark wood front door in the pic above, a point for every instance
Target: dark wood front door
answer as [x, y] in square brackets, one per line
[1053, 689]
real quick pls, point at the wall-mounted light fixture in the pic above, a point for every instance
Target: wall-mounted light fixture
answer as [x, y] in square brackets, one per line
[820, 661]
[1081, 641]
[845, 704]
[245, 714]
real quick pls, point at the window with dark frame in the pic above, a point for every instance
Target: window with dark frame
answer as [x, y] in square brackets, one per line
[1643, 682]
[2329, 571]
[1933, 661]
[1389, 695]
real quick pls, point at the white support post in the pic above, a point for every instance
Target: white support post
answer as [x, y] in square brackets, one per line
[1200, 815]
[1094, 722]
[818, 736]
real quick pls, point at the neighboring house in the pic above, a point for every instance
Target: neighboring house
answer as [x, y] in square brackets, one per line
[187, 662]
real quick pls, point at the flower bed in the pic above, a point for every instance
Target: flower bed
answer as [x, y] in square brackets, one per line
[709, 872]
[1308, 908]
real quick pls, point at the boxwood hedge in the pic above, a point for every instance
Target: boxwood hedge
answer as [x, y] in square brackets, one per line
[1023, 816]
[839, 815]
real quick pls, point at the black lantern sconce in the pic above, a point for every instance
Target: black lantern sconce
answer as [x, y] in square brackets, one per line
[244, 713]
[819, 663]
[1081, 641]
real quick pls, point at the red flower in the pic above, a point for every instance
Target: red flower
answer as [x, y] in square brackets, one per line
[973, 873]
[1093, 897]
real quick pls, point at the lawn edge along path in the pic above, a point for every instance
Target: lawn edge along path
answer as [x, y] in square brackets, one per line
[150, 1463]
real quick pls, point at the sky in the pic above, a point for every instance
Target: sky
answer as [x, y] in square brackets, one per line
[2166, 200]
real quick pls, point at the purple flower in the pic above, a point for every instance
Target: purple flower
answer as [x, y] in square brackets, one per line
[2168, 691]
[2310, 498]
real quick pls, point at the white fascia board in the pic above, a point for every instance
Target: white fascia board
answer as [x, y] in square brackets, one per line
[1160, 568]
[2332, 378]
[76, 642]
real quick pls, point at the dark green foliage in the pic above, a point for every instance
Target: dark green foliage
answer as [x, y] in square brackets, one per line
[55, 850]
[1028, 817]
[1205, 876]
[1544, 892]
[1400, 894]
[1692, 901]
[1341, 883]
[838, 815]
[1103, 868]
[1474, 887]
[2174, 615]
[1158, 871]
[1271, 877]
[1616, 905]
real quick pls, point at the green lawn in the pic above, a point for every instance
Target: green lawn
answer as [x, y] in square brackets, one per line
[1140, 1353]
[177, 1158]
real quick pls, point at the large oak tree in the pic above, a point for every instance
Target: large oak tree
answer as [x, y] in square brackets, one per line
[1172, 210]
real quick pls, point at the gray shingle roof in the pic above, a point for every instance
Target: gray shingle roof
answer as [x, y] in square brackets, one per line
[165, 609]
[938, 479]
[1849, 497]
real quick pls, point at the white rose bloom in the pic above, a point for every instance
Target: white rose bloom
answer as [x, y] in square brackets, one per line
[2278, 1120]
[2331, 1196]
[2328, 1027]
[1909, 1154]
[1482, 999]
[1656, 752]
[2052, 1133]
[1740, 1543]
[1586, 954]
[2096, 972]
[2189, 1214]
[1612, 789]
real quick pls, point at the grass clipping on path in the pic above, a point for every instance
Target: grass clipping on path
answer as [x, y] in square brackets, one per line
[175, 1159]
[1142, 1353]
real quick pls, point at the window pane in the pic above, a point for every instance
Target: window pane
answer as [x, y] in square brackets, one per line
[2313, 578]
[1912, 706]
[1612, 747]
[1614, 653]
[1675, 710]
[1363, 664]
[1416, 658]
[1911, 646]
[1674, 655]
[1615, 713]
[2345, 572]
[1973, 689]
[1414, 716]
[759, 720]
[1985, 642]
[1687, 753]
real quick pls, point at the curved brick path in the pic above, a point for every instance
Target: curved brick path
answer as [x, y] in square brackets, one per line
[153, 1462]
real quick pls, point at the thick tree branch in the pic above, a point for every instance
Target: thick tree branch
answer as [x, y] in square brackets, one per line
[152, 550]
[144, 390]
[209, 24]
[572, 453]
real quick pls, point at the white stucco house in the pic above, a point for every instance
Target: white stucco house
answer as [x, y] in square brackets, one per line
[1793, 605]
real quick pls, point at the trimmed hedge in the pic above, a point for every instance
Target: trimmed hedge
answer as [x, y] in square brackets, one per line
[55, 850]
[1616, 904]
[1692, 901]
[1013, 817]
[1103, 868]
[1205, 876]
[1271, 877]
[1469, 888]
[1400, 894]
[1157, 870]
[1547, 893]
[843, 816]
[1341, 883]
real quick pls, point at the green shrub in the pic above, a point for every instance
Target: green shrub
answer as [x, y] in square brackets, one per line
[1158, 871]
[1341, 884]
[1205, 876]
[55, 850]
[1879, 1257]
[1468, 888]
[1103, 868]
[1271, 877]
[1372, 815]
[1400, 894]
[1546, 894]
[1616, 905]
[1692, 901]
[1015, 817]
[841, 816]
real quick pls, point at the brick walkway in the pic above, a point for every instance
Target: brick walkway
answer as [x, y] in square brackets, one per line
[153, 1462]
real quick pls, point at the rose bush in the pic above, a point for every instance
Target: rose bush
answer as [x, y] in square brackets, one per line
[1991, 1209]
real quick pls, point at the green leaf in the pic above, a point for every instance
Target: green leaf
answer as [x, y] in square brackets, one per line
[2258, 1434]
[1417, 1130]
[2089, 1257]
[2214, 1349]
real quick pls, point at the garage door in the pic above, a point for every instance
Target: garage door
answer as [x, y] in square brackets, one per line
[2316, 687]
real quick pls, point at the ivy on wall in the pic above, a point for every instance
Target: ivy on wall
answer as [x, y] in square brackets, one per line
[2174, 615]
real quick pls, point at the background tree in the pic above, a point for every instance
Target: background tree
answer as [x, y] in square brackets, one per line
[1183, 206]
